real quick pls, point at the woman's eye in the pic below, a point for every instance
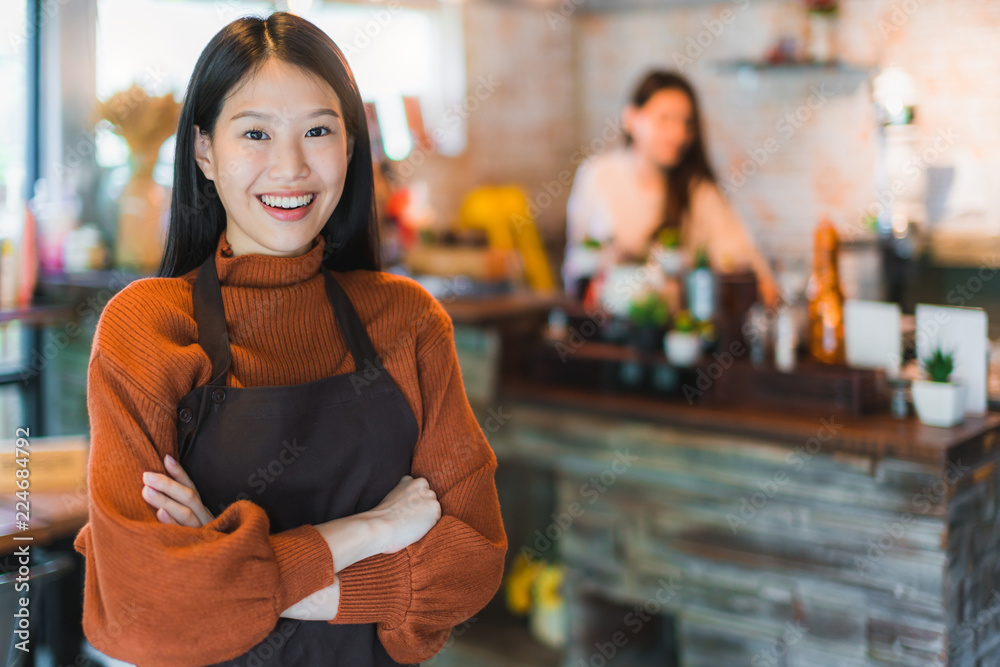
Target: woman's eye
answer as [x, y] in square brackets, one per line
[321, 127]
[258, 135]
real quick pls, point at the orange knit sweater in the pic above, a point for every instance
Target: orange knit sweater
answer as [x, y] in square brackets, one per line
[159, 594]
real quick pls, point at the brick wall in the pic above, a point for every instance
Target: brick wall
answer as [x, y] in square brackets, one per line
[563, 78]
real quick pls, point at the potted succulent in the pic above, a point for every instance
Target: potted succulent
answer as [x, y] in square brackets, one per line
[589, 256]
[938, 401]
[648, 315]
[667, 251]
[586, 260]
[682, 344]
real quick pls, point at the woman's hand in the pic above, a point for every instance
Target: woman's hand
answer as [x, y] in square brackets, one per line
[176, 500]
[768, 292]
[406, 514]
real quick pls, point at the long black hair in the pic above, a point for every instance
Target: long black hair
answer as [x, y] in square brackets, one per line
[693, 166]
[238, 52]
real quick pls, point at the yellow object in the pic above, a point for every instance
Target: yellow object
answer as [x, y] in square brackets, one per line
[519, 582]
[502, 211]
[547, 587]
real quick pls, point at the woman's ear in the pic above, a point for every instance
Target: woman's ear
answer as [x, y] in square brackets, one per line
[202, 153]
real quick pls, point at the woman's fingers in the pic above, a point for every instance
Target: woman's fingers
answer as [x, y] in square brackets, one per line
[181, 514]
[177, 472]
[185, 502]
[164, 517]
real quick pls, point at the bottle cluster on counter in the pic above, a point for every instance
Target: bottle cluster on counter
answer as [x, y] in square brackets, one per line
[675, 324]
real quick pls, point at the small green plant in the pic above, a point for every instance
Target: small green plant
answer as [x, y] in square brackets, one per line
[706, 329]
[939, 365]
[590, 242]
[701, 259]
[648, 309]
[684, 322]
[669, 238]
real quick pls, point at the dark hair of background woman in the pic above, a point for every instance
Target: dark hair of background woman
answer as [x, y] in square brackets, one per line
[238, 52]
[693, 165]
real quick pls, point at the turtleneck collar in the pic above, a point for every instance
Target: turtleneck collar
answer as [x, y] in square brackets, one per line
[258, 270]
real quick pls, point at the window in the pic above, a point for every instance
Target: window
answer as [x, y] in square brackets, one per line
[13, 114]
[393, 52]
[14, 137]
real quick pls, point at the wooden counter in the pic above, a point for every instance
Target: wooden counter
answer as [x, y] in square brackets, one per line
[751, 537]
[878, 436]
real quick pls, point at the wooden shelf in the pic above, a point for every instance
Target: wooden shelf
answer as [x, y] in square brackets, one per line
[806, 66]
[39, 315]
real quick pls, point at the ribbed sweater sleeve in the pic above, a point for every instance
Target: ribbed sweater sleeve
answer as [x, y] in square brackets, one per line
[151, 588]
[419, 593]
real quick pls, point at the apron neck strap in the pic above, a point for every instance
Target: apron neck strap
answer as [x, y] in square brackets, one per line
[213, 335]
[210, 316]
[358, 340]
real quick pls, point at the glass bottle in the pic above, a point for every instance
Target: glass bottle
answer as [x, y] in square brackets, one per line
[826, 300]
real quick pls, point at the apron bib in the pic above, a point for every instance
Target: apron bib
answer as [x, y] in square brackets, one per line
[306, 453]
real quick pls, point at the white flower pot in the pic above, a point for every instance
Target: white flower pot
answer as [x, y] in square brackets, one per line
[671, 260]
[586, 260]
[939, 403]
[549, 625]
[626, 282]
[683, 348]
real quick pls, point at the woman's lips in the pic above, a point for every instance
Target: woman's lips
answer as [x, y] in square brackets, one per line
[288, 214]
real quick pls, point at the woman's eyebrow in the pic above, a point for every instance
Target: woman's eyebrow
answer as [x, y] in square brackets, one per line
[266, 116]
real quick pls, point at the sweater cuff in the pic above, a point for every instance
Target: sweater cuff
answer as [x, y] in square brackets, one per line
[305, 564]
[375, 590]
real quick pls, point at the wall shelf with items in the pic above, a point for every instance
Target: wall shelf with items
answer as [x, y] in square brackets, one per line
[796, 67]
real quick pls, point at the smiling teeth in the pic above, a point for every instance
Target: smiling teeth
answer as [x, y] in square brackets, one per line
[286, 202]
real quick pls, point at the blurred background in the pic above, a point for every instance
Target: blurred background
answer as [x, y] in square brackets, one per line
[855, 145]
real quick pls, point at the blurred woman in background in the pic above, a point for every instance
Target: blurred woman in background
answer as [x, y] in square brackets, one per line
[661, 179]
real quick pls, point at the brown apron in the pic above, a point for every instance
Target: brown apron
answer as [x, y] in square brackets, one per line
[306, 453]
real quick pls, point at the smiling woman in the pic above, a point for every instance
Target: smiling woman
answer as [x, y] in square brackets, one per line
[274, 160]
[272, 374]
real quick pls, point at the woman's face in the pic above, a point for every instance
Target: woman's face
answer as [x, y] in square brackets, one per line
[281, 134]
[661, 128]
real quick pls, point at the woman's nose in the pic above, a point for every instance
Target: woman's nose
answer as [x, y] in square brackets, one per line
[288, 162]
